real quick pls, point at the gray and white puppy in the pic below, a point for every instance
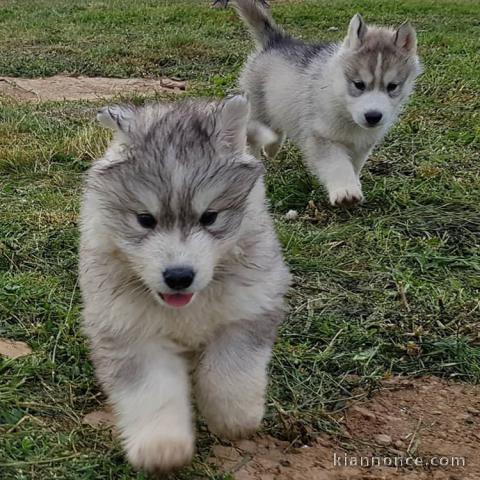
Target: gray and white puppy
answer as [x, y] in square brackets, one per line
[181, 274]
[336, 101]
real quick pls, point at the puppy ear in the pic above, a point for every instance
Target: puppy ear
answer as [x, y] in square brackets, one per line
[117, 117]
[406, 38]
[356, 32]
[242, 177]
[232, 119]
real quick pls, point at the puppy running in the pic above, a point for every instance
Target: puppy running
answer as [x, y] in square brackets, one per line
[181, 274]
[336, 101]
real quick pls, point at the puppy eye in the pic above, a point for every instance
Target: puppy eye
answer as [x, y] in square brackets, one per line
[359, 86]
[146, 220]
[208, 218]
[391, 87]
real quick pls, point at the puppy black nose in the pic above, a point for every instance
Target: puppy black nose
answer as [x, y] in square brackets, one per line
[179, 278]
[373, 117]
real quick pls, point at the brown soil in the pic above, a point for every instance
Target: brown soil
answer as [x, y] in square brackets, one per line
[12, 349]
[62, 87]
[424, 418]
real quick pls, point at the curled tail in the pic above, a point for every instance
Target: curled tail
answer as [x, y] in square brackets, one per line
[259, 21]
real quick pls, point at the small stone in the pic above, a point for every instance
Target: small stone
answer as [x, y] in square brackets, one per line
[383, 439]
[469, 419]
[364, 412]
[332, 29]
[399, 444]
[247, 446]
[291, 215]
[466, 417]
[473, 411]
[225, 453]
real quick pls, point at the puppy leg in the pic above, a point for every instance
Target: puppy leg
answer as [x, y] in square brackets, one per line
[149, 389]
[359, 159]
[231, 378]
[333, 166]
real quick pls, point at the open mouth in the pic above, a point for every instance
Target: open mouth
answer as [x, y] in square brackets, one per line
[177, 300]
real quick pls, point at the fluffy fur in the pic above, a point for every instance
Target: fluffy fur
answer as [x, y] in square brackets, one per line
[335, 101]
[224, 3]
[174, 163]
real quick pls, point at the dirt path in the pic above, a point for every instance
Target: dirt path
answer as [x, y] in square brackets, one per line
[61, 87]
[417, 418]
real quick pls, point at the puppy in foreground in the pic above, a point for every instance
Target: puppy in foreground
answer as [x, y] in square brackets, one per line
[335, 101]
[181, 274]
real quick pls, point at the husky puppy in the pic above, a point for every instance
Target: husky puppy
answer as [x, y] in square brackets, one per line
[224, 3]
[181, 274]
[335, 101]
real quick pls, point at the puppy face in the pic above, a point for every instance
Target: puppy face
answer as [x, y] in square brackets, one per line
[379, 67]
[173, 190]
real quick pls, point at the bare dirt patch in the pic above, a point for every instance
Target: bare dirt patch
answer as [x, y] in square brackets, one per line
[413, 418]
[61, 87]
[101, 419]
[13, 349]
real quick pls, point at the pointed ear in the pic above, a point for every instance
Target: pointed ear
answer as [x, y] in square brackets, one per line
[241, 178]
[356, 32]
[232, 119]
[117, 117]
[406, 38]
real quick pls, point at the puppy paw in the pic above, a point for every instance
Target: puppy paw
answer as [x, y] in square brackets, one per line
[346, 196]
[160, 452]
[235, 426]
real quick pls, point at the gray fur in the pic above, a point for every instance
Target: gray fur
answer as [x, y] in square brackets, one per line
[175, 162]
[262, 26]
[313, 93]
[224, 3]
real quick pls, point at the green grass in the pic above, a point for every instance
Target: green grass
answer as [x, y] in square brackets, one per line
[391, 287]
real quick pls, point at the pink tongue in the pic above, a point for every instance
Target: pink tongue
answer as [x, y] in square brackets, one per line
[177, 299]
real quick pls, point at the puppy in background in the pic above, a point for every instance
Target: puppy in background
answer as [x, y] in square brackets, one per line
[336, 101]
[224, 3]
[181, 274]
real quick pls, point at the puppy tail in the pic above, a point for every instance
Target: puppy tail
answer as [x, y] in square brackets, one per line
[261, 25]
[259, 135]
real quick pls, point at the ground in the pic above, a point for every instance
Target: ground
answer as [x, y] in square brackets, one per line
[385, 295]
[408, 430]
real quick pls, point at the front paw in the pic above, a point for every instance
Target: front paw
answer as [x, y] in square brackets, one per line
[346, 196]
[238, 424]
[159, 452]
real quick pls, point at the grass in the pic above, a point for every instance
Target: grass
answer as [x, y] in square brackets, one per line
[388, 288]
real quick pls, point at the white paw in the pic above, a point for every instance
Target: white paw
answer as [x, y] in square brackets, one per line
[160, 451]
[236, 425]
[346, 196]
